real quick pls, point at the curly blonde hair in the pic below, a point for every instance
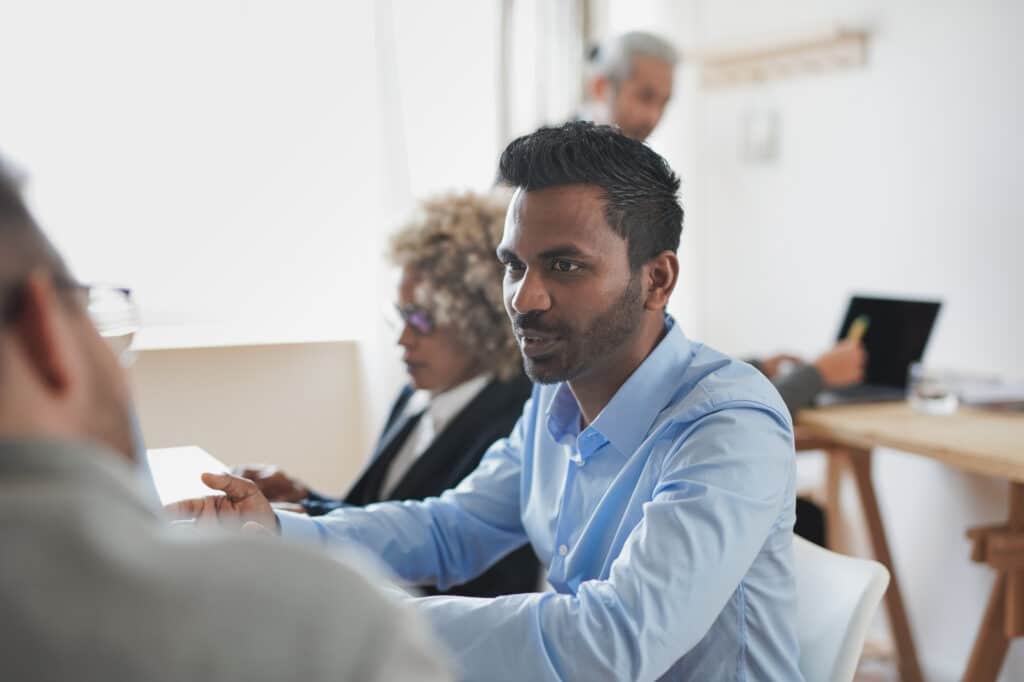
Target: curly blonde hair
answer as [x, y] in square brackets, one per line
[450, 244]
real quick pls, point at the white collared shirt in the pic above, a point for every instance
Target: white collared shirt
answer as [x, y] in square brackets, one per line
[438, 411]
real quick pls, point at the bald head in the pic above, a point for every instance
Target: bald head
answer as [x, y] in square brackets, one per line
[58, 379]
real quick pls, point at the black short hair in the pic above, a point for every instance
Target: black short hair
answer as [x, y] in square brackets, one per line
[640, 190]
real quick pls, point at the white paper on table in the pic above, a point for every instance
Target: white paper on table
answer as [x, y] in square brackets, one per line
[176, 472]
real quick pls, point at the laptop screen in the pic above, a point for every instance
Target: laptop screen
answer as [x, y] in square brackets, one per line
[895, 335]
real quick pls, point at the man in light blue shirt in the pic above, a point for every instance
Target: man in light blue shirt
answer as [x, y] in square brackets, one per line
[653, 476]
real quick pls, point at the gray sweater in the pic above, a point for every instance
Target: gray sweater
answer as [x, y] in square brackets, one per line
[798, 387]
[95, 586]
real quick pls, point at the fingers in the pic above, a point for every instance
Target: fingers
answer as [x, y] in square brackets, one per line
[276, 485]
[851, 350]
[858, 349]
[241, 502]
[847, 345]
[185, 510]
[860, 355]
[204, 512]
[234, 487]
[210, 516]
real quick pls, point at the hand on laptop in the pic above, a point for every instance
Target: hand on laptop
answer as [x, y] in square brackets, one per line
[275, 485]
[843, 365]
[241, 505]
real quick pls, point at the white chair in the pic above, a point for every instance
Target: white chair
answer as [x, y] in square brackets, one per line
[836, 598]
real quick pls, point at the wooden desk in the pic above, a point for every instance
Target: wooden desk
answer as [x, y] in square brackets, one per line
[975, 441]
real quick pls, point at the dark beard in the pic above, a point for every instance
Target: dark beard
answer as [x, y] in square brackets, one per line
[585, 349]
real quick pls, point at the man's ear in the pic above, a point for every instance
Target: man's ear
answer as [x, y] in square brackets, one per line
[42, 330]
[600, 88]
[660, 276]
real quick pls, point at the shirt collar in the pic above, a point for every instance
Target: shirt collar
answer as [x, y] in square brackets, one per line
[563, 415]
[627, 418]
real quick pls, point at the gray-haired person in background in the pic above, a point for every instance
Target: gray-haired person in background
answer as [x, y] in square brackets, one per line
[93, 585]
[629, 82]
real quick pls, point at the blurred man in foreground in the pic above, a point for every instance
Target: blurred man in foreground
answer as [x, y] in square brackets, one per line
[92, 585]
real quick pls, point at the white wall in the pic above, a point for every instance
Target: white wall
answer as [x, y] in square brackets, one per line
[437, 64]
[896, 178]
[902, 178]
[447, 57]
[297, 405]
[239, 164]
[214, 156]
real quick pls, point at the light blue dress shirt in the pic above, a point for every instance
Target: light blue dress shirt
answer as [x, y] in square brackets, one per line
[665, 525]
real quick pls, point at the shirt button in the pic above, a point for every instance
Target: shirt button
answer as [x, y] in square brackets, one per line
[562, 550]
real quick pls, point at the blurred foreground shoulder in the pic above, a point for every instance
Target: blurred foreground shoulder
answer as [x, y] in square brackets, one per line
[327, 611]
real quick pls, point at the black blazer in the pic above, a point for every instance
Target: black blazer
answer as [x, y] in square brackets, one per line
[454, 453]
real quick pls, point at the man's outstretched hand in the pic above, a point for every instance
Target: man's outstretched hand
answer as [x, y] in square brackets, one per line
[241, 505]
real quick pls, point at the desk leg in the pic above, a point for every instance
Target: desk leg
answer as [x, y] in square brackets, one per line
[835, 537]
[860, 463]
[1004, 615]
[1014, 626]
[991, 644]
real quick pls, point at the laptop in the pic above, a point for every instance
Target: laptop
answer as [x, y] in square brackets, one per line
[894, 333]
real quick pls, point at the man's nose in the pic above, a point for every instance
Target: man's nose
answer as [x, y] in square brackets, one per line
[529, 294]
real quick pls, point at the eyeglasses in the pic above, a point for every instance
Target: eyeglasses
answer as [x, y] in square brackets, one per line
[112, 310]
[414, 316]
[116, 317]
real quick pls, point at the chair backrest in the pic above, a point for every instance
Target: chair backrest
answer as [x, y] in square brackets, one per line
[836, 599]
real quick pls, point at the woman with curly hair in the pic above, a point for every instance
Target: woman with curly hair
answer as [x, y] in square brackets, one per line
[466, 388]
[450, 296]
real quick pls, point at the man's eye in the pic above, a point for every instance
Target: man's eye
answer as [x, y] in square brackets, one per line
[513, 267]
[564, 266]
